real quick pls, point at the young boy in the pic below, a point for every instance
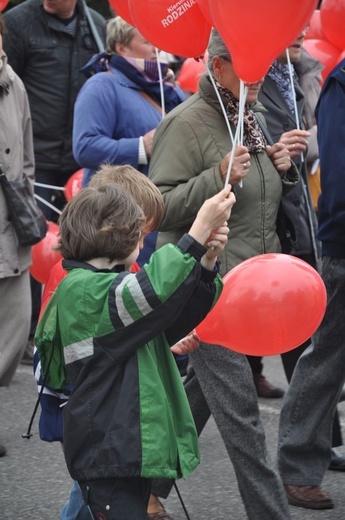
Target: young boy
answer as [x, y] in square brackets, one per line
[109, 332]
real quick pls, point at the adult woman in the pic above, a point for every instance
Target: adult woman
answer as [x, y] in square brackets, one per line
[116, 114]
[189, 163]
[16, 159]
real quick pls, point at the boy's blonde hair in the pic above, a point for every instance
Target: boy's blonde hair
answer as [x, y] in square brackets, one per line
[100, 223]
[143, 191]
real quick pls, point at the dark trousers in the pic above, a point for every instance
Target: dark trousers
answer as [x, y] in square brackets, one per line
[117, 499]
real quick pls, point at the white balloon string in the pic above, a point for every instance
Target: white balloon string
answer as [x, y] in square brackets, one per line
[41, 199]
[220, 101]
[238, 139]
[49, 186]
[161, 84]
[293, 95]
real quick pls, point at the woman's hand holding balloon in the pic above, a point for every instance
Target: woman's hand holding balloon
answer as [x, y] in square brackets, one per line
[240, 165]
[280, 157]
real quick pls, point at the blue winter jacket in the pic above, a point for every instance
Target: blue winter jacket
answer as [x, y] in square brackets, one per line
[330, 114]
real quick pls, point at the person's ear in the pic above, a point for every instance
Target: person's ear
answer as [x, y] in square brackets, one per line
[217, 65]
[120, 49]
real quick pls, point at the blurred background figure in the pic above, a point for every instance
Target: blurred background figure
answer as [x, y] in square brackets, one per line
[16, 159]
[47, 43]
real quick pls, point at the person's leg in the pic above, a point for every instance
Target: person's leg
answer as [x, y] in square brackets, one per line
[226, 381]
[75, 508]
[15, 312]
[289, 360]
[304, 448]
[117, 499]
[263, 387]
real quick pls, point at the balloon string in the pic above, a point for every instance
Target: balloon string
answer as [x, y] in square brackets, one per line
[238, 139]
[161, 86]
[48, 204]
[220, 101]
[60, 188]
[293, 94]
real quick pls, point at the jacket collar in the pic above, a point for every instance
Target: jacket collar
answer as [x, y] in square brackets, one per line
[76, 264]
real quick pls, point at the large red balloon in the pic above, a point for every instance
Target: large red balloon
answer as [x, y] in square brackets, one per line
[176, 27]
[43, 256]
[325, 52]
[190, 73]
[205, 9]
[333, 21]
[315, 31]
[121, 8]
[270, 304]
[256, 32]
[73, 185]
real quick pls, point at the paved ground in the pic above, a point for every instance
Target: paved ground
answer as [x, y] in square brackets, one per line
[34, 483]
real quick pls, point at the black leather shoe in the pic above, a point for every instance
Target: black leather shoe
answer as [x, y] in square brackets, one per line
[337, 461]
[2, 450]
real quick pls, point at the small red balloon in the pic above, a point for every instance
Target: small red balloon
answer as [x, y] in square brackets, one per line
[270, 304]
[43, 255]
[121, 8]
[73, 185]
[190, 73]
[3, 4]
[333, 22]
[325, 52]
[315, 31]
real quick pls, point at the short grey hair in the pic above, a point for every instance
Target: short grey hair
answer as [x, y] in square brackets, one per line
[118, 31]
[217, 47]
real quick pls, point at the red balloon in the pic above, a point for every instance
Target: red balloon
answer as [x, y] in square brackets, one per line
[73, 185]
[333, 22]
[256, 32]
[270, 304]
[341, 57]
[190, 73]
[121, 8]
[205, 9]
[325, 52]
[174, 27]
[43, 256]
[3, 4]
[315, 31]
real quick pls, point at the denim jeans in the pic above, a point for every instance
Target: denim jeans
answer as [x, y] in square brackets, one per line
[304, 448]
[75, 508]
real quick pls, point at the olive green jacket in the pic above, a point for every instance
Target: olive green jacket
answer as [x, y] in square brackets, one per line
[189, 146]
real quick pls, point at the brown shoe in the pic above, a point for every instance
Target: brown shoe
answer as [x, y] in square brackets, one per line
[28, 355]
[163, 515]
[266, 389]
[310, 497]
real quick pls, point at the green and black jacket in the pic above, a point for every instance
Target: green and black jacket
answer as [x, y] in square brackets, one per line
[109, 334]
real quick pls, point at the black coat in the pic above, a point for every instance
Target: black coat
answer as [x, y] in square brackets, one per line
[48, 60]
[296, 203]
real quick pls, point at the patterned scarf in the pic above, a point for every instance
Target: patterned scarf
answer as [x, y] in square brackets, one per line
[280, 74]
[144, 73]
[253, 137]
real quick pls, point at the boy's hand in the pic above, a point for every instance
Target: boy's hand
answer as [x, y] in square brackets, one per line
[216, 243]
[212, 215]
[186, 345]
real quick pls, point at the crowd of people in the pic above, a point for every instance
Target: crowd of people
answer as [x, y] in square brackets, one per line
[145, 243]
